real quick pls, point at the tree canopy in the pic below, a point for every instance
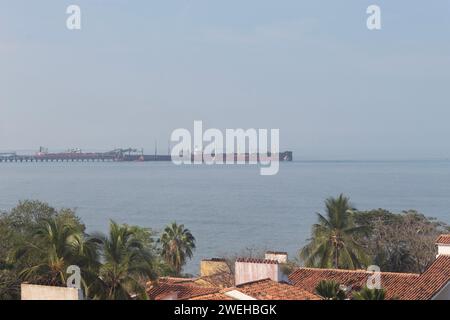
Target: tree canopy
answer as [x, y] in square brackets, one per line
[38, 243]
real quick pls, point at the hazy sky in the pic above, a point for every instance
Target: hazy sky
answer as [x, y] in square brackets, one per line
[139, 69]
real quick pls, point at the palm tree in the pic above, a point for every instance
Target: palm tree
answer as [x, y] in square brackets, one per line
[370, 294]
[177, 245]
[127, 263]
[56, 244]
[333, 241]
[330, 290]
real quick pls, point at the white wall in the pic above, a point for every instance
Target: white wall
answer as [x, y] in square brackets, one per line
[37, 292]
[443, 249]
[253, 271]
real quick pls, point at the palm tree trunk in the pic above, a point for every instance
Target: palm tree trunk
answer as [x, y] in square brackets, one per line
[336, 258]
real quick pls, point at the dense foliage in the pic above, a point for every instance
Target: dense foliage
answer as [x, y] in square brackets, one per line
[38, 243]
[402, 242]
[177, 245]
[334, 238]
[369, 294]
[349, 239]
[330, 290]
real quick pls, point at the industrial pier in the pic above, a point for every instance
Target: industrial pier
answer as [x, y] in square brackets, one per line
[118, 155]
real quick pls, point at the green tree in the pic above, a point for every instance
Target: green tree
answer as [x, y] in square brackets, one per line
[402, 242]
[17, 234]
[127, 263]
[330, 290]
[56, 244]
[333, 242]
[177, 245]
[9, 283]
[38, 243]
[369, 294]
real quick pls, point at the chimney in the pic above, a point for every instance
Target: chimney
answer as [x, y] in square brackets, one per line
[249, 270]
[281, 257]
[443, 245]
[214, 266]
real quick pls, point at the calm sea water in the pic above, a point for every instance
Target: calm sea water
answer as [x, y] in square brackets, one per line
[228, 208]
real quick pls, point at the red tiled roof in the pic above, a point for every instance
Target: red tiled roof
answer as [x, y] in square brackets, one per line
[431, 281]
[266, 289]
[253, 260]
[443, 239]
[395, 284]
[184, 288]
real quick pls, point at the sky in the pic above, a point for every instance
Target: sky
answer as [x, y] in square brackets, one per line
[137, 70]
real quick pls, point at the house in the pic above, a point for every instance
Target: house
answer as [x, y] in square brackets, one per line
[264, 279]
[434, 283]
[254, 279]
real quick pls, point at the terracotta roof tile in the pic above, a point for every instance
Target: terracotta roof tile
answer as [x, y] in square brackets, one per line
[395, 284]
[443, 239]
[268, 289]
[431, 281]
[184, 288]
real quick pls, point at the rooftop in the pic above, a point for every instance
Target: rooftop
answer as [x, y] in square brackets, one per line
[265, 289]
[395, 284]
[271, 290]
[443, 239]
[183, 288]
[429, 283]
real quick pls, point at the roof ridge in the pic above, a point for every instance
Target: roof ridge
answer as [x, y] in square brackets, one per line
[356, 271]
[423, 288]
[257, 260]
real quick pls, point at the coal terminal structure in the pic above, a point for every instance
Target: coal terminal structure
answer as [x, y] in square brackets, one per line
[122, 155]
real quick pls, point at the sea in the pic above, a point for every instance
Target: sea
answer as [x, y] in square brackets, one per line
[230, 209]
